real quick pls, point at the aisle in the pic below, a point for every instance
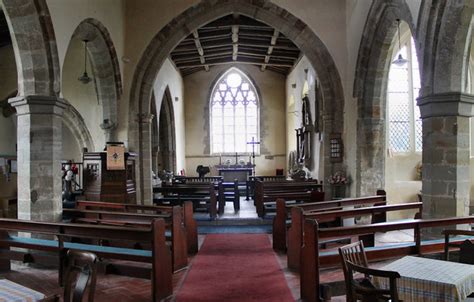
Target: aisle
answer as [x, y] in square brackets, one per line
[235, 267]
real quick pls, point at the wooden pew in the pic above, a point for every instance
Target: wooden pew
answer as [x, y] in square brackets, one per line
[187, 214]
[176, 194]
[298, 216]
[270, 191]
[229, 191]
[179, 179]
[250, 184]
[283, 212]
[159, 255]
[312, 259]
[174, 223]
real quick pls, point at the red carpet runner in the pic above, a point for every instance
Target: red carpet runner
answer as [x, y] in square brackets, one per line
[235, 267]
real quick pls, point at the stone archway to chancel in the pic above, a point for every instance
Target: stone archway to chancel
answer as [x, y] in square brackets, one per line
[370, 89]
[206, 11]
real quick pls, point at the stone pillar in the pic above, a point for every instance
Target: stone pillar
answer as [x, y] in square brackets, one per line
[446, 176]
[39, 144]
[144, 159]
[109, 130]
[370, 156]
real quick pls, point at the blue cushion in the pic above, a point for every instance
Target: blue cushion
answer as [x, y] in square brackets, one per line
[82, 246]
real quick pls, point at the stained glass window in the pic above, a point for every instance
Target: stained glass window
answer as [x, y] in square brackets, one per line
[404, 121]
[234, 114]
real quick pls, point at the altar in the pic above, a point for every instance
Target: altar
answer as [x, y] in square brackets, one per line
[232, 172]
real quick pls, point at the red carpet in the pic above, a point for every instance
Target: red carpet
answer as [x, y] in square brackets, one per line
[235, 267]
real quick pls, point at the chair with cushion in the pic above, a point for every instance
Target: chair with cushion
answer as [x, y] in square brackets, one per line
[364, 290]
[80, 273]
[354, 253]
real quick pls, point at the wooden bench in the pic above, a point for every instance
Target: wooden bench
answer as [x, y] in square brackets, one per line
[250, 184]
[187, 214]
[312, 259]
[283, 211]
[270, 191]
[229, 191]
[174, 225]
[298, 216]
[178, 179]
[158, 256]
[197, 193]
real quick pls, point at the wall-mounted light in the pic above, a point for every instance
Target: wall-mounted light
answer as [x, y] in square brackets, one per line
[85, 79]
[400, 61]
[176, 99]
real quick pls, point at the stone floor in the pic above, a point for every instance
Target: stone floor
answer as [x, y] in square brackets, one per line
[120, 288]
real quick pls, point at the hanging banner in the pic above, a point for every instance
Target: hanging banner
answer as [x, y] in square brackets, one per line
[115, 157]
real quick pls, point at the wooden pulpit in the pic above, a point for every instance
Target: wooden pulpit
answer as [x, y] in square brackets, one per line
[109, 185]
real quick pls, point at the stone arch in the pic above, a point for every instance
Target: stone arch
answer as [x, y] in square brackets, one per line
[106, 70]
[167, 133]
[74, 121]
[34, 45]
[444, 28]
[207, 10]
[370, 86]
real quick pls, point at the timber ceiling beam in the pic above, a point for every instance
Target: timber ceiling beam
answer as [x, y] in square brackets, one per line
[200, 50]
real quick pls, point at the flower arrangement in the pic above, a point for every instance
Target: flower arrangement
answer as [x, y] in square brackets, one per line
[338, 178]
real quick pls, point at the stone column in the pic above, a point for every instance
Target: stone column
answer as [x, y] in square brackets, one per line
[370, 156]
[39, 144]
[446, 176]
[144, 159]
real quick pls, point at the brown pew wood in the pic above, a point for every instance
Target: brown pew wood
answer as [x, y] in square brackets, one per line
[174, 222]
[270, 191]
[189, 221]
[283, 213]
[312, 259]
[160, 256]
[195, 192]
[298, 216]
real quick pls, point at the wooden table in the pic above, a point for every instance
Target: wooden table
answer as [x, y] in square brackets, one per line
[13, 292]
[424, 279]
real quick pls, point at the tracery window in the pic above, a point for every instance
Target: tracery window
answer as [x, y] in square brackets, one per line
[234, 112]
[404, 121]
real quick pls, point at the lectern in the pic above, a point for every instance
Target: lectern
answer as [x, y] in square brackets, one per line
[109, 185]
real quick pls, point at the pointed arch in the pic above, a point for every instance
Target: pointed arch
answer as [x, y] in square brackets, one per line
[34, 44]
[106, 69]
[234, 112]
[204, 12]
[370, 87]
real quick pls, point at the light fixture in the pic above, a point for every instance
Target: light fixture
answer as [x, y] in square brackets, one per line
[400, 61]
[85, 79]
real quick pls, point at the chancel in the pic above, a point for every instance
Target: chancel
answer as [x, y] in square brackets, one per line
[236, 150]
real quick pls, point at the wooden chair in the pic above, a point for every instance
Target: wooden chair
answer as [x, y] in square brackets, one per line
[80, 273]
[364, 290]
[466, 248]
[354, 253]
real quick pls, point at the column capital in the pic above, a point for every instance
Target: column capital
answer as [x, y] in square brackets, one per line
[145, 118]
[38, 104]
[446, 104]
[108, 126]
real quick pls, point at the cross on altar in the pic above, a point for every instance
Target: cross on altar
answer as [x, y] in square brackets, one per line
[253, 143]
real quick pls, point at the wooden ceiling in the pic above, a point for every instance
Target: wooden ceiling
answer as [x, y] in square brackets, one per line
[235, 39]
[4, 32]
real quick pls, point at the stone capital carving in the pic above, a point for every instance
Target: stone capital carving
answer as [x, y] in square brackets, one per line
[38, 104]
[446, 104]
[108, 126]
[145, 118]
